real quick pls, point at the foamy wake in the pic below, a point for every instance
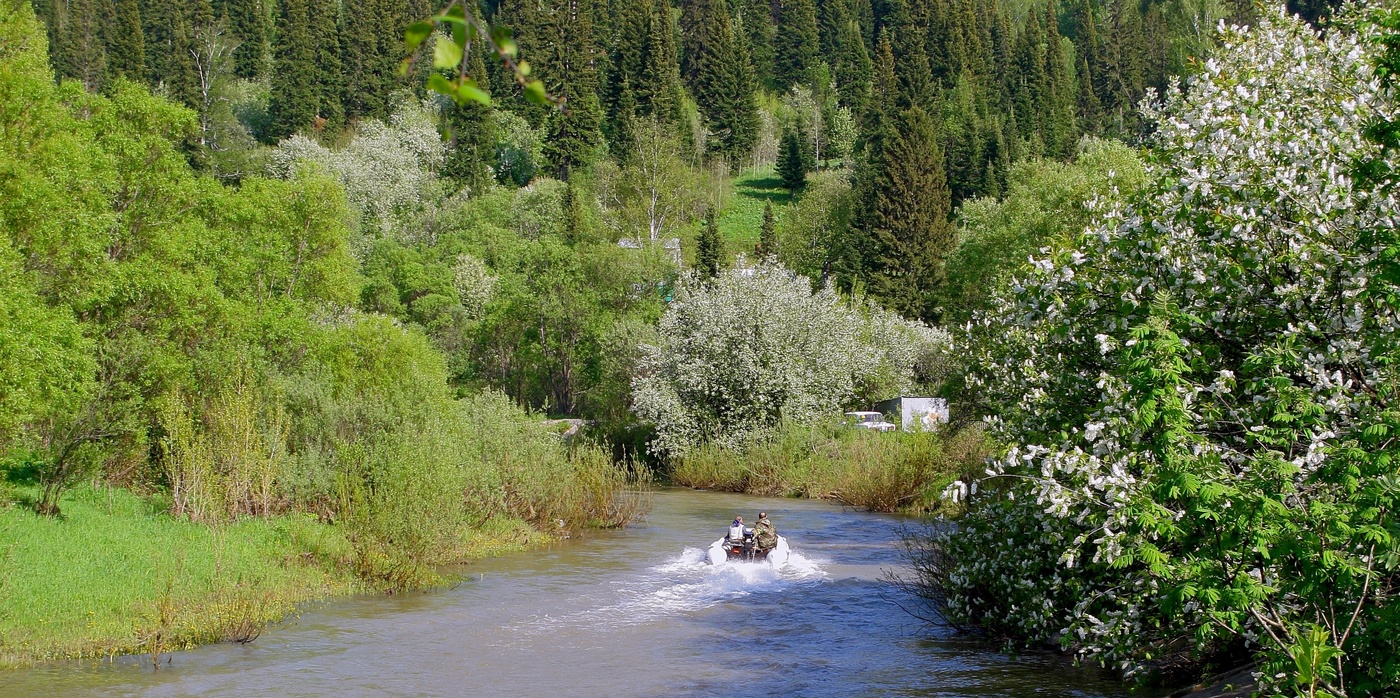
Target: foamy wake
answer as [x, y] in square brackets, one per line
[689, 583]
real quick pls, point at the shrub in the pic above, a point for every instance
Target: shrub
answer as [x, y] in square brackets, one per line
[740, 354]
[1198, 393]
[899, 471]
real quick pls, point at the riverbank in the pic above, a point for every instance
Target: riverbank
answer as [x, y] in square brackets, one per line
[118, 575]
[889, 472]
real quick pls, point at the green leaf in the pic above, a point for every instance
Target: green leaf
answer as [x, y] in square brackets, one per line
[447, 54]
[501, 37]
[468, 91]
[534, 92]
[441, 85]
[417, 33]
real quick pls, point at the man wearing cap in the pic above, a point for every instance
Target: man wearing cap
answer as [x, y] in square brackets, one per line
[765, 536]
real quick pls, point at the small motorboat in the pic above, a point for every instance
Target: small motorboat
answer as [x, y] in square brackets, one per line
[734, 548]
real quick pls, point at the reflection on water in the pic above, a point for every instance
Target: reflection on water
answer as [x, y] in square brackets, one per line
[627, 613]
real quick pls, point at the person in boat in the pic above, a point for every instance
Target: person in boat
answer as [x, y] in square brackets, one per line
[736, 530]
[765, 535]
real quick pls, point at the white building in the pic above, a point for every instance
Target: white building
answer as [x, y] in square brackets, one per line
[915, 413]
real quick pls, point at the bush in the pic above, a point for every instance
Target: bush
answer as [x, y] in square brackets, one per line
[1198, 394]
[898, 471]
[755, 347]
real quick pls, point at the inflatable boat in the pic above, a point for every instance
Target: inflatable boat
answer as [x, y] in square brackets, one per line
[734, 549]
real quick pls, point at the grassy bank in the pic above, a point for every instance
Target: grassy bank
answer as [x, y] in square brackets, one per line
[118, 575]
[895, 471]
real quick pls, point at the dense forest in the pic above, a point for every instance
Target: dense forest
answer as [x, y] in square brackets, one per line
[897, 111]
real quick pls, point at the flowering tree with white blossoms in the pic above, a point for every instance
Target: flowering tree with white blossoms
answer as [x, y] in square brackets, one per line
[741, 353]
[1198, 394]
[388, 170]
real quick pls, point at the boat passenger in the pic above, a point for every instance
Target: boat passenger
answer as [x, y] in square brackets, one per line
[765, 534]
[736, 530]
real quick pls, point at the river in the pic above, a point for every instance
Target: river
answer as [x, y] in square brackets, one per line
[634, 612]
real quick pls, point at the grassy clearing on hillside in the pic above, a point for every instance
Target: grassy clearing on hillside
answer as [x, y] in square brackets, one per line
[117, 575]
[743, 214]
[898, 471]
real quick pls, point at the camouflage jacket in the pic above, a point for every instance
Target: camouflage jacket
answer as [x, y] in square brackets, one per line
[764, 534]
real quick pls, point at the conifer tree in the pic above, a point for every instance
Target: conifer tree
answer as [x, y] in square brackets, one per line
[643, 77]
[574, 131]
[1087, 46]
[768, 232]
[1121, 79]
[908, 41]
[83, 51]
[796, 43]
[329, 84]
[575, 223]
[526, 20]
[722, 81]
[792, 166]
[757, 19]
[471, 146]
[158, 20]
[1028, 82]
[1058, 120]
[181, 76]
[631, 32]
[905, 218]
[709, 248]
[622, 132]
[373, 32]
[852, 68]
[292, 106]
[832, 18]
[126, 46]
[661, 93]
[248, 25]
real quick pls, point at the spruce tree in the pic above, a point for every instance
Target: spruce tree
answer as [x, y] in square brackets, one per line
[623, 120]
[631, 31]
[852, 68]
[329, 83]
[908, 41]
[1029, 88]
[759, 34]
[471, 144]
[768, 232]
[248, 25]
[906, 218]
[181, 76]
[373, 47]
[792, 166]
[292, 106]
[796, 43]
[575, 220]
[660, 93]
[158, 20]
[709, 248]
[528, 23]
[126, 46]
[78, 51]
[1058, 117]
[574, 130]
[832, 18]
[722, 81]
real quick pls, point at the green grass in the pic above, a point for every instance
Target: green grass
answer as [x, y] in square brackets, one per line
[896, 471]
[743, 212]
[117, 575]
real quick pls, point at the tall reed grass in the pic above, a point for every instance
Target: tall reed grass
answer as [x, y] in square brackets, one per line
[896, 471]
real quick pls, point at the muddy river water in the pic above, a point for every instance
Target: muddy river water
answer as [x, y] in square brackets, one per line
[635, 612]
